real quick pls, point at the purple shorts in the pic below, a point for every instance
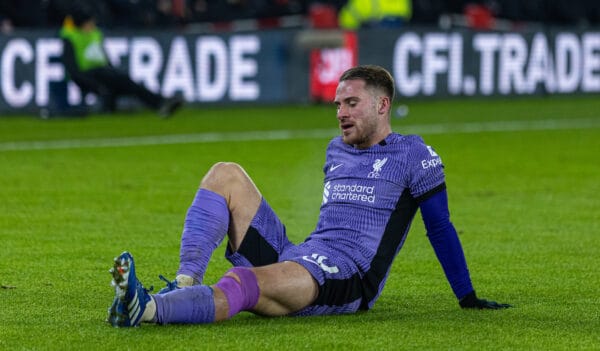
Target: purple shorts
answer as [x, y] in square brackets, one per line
[340, 283]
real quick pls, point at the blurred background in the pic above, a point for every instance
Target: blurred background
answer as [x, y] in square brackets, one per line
[293, 51]
[185, 14]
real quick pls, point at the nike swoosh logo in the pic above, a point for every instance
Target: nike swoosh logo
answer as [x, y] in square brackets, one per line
[334, 167]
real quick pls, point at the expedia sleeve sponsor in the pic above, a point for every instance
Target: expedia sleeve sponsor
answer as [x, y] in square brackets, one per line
[434, 162]
[426, 167]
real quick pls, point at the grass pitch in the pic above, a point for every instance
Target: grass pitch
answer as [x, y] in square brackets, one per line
[523, 179]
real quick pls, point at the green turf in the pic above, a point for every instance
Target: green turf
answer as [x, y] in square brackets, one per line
[525, 203]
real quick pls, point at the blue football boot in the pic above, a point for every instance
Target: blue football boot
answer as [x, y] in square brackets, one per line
[130, 295]
[171, 285]
[181, 281]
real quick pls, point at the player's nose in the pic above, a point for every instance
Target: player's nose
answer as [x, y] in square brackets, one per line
[342, 112]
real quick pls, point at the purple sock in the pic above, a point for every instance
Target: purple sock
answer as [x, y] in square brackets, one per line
[190, 305]
[242, 296]
[205, 226]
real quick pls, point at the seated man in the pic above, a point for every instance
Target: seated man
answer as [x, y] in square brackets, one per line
[375, 181]
[87, 65]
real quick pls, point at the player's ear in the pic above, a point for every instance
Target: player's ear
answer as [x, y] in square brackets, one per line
[384, 105]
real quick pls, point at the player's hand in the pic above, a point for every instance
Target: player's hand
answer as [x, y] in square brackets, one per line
[472, 301]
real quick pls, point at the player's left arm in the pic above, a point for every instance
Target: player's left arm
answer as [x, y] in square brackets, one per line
[448, 249]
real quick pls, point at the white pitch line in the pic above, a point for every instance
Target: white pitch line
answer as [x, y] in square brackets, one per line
[424, 129]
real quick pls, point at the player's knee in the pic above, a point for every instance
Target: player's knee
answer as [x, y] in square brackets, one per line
[240, 287]
[221, 176]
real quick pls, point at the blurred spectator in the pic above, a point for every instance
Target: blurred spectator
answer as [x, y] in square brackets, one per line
[27, 13]
[198, 11]
[375, 13]
[549, 12]
[160, 14]
[127, 13]
[146, 14]
[57, 10]
[277, 8]
[6, 25]
[428, 11]
[323, 16]
[573, 12]
[88, 66]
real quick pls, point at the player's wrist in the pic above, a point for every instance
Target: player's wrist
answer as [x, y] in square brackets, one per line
[469, 301]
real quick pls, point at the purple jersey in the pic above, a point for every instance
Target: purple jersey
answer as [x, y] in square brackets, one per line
[370, 197]
[363, 188]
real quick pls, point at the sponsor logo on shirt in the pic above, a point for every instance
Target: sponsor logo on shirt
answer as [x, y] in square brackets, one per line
[431, 163]
[348, 192]
[431, 152]
[326, 192]
[434, 162]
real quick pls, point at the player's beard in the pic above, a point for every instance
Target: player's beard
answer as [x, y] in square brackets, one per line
[362, 133]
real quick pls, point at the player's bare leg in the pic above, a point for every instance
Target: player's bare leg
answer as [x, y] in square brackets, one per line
[243, 198]
[224, 205]
[286, 287]
[283, 287]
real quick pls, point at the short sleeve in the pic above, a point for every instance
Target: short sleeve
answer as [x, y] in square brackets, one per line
[426, 168]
